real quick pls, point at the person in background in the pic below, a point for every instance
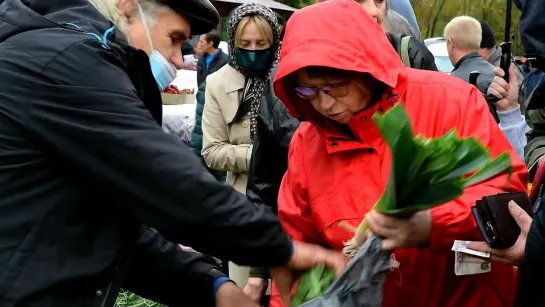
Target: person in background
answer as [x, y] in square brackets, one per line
[419, 55]
[339, 164]
[405, 9]
[396, 24]
[511, 121]
[464, 35]
[196, 135]
[281, 23]
[491, 53]
[534, 151]
[233, 97]
[95, 196]
[528, 252]
[212, 59]
[488, 49]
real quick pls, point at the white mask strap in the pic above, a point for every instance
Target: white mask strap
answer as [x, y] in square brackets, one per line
[141, 12]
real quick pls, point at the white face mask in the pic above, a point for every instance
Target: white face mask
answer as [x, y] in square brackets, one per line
[163, 71]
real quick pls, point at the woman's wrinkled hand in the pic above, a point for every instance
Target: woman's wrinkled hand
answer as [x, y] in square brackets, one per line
[408, 232]
[515, 254]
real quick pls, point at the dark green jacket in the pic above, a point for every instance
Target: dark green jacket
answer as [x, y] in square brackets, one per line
[196, 136]
[535, 148]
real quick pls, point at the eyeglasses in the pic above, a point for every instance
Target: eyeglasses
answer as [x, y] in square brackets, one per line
[337, 90]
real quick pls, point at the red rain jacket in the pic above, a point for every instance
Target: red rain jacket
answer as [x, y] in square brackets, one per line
[332, 177]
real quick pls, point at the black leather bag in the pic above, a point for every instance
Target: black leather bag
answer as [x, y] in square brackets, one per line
[498, 227]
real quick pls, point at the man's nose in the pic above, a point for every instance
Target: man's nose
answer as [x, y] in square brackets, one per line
[177, 60]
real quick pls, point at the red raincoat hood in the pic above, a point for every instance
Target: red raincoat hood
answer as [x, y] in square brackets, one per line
[337, 34]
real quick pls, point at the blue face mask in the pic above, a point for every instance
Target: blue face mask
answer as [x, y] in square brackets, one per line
[163, 71]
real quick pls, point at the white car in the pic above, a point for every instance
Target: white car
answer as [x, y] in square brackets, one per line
[438, 47]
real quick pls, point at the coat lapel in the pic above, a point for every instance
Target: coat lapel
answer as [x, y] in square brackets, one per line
[233, 88]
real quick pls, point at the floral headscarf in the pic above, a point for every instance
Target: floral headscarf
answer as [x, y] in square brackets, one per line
[255, 86]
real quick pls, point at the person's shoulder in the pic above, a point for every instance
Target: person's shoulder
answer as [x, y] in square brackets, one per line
[56, 44]
[306, 136]
[220, 74]
[223, 56]
[435, 84]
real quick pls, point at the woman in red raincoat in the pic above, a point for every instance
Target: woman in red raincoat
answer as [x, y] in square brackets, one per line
[336, 69]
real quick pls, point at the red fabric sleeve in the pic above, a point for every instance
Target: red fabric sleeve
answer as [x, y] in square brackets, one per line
[293, 203]
[294, 206]
[454, 220]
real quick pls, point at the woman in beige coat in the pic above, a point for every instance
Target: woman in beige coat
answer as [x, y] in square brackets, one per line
[232, 99]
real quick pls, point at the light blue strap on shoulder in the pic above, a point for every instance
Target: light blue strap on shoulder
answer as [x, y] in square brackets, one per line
[103, 40]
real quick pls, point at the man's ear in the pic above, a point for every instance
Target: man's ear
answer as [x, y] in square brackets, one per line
[126, 9]
[450, 43]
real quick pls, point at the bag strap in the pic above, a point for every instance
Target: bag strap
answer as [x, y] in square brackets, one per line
[405, 50]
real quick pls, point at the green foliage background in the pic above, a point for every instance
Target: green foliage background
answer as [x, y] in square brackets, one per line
[433, 15]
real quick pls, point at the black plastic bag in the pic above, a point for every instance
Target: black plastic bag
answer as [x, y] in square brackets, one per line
[361, 284]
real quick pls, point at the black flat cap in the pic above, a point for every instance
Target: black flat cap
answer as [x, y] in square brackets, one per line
[203, 16]
[488, 40]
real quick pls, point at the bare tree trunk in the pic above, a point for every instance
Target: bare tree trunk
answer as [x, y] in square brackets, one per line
[429, 19]
[436, 18]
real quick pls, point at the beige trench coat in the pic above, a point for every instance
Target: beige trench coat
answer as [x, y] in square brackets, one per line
[226, 143]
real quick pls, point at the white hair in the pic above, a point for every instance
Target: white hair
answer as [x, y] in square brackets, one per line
[397, 24]
[109, 9]
[465, 32]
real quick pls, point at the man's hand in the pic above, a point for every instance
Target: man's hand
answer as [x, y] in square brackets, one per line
[255, 288]
[229, 295]
[305, 256]
[401, 232]
[507, 93]
[515, 254]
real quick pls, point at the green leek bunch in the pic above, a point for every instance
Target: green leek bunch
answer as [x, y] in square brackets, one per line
[425, 173]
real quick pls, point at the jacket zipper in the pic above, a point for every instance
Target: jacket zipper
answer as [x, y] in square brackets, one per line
[107, 294]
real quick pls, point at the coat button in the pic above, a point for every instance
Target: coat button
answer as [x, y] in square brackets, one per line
[334, 144]
[245, 124]
[363, 118]
[99, 292]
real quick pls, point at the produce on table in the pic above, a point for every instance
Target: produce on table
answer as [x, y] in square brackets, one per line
[172, 89]
[425, 173]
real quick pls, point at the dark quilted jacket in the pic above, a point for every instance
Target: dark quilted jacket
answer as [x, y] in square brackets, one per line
[196, 135]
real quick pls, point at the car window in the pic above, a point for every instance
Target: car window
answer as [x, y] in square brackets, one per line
[443, 64]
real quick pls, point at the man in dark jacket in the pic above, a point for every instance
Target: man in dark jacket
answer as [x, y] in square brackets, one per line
[86, 171]
[213, 57]
[196, 135]
[463, 36]
[488, 49]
